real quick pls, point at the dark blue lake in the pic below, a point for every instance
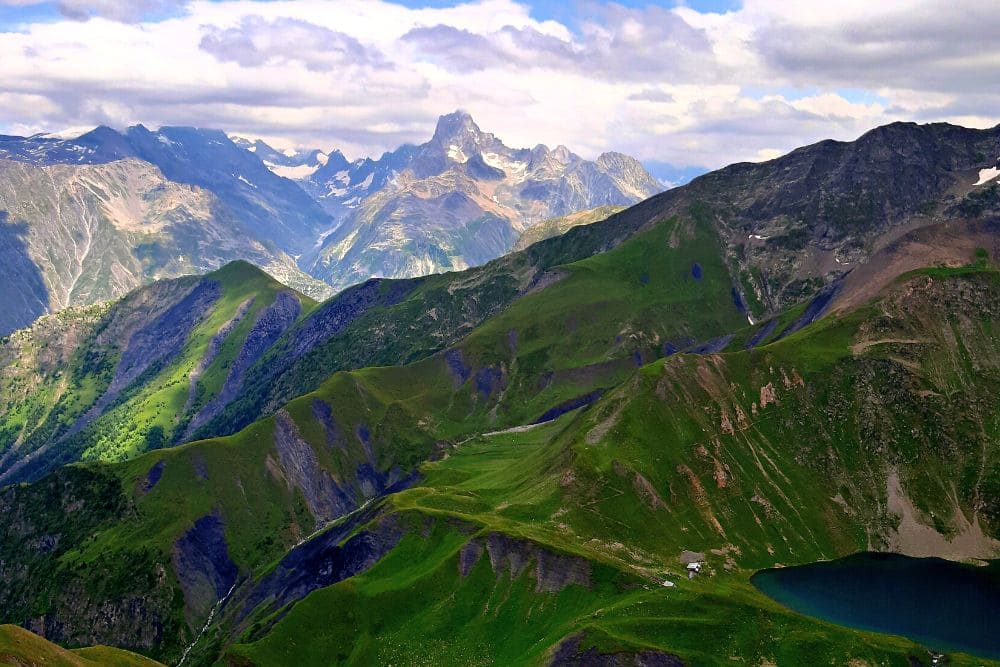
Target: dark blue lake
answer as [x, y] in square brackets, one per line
[940, 604]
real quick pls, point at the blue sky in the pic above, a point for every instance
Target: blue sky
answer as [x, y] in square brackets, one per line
[567, 12]
[684, 86]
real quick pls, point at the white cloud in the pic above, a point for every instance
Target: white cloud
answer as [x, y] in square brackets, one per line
[674, 86]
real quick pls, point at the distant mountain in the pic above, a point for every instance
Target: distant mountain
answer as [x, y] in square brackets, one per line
[88, 219]
[459, 200]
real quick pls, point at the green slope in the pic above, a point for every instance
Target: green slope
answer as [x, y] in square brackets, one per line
[22, 648]
[69, 393]
[360, 432]
[419, 606]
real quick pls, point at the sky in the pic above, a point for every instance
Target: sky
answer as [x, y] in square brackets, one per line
[682, 85]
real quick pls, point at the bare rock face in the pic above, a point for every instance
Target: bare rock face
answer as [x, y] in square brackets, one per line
[301, 469]
[512, 557]
[200, 559]
[569, 654]
[320, 562]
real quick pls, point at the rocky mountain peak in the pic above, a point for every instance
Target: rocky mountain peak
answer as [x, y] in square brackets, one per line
[456, 126]
[562, 154]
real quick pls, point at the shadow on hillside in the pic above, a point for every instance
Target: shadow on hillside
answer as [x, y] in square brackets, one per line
[22, 290]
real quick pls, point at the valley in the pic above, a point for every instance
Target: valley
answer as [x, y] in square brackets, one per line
[515, 463]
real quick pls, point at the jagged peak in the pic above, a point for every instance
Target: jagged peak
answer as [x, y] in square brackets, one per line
[455, 125]
[563, 154]
[615, 155]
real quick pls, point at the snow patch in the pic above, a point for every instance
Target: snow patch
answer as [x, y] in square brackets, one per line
[288, 152]
[987, 175]
[342, 177]
[294, 173]
[511, 167]
[455, 153]
[368, 181]
[243, 178]
[758, 237]
[322, 158]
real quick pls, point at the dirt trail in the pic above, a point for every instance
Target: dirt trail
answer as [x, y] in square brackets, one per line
[861, 346]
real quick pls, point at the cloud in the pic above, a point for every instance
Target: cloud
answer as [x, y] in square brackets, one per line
[257, 41]
[617, 43]
[652, 95]
[673, 85]
[919, 47]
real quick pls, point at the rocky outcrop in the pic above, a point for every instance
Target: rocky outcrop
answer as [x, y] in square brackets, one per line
[317, 563]
[201, 562]
[569, 405]
[327, 497]
[513, 557]
[300, 468]
[570, 653]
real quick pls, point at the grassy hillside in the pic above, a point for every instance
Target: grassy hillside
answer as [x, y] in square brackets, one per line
[108, 383]
[25, 649]
[452, 594]
[362, 432]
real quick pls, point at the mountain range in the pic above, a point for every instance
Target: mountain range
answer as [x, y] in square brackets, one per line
[457, 201]
[85, 220]
[775, 364]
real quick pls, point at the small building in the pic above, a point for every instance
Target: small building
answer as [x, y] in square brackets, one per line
[693, 569]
